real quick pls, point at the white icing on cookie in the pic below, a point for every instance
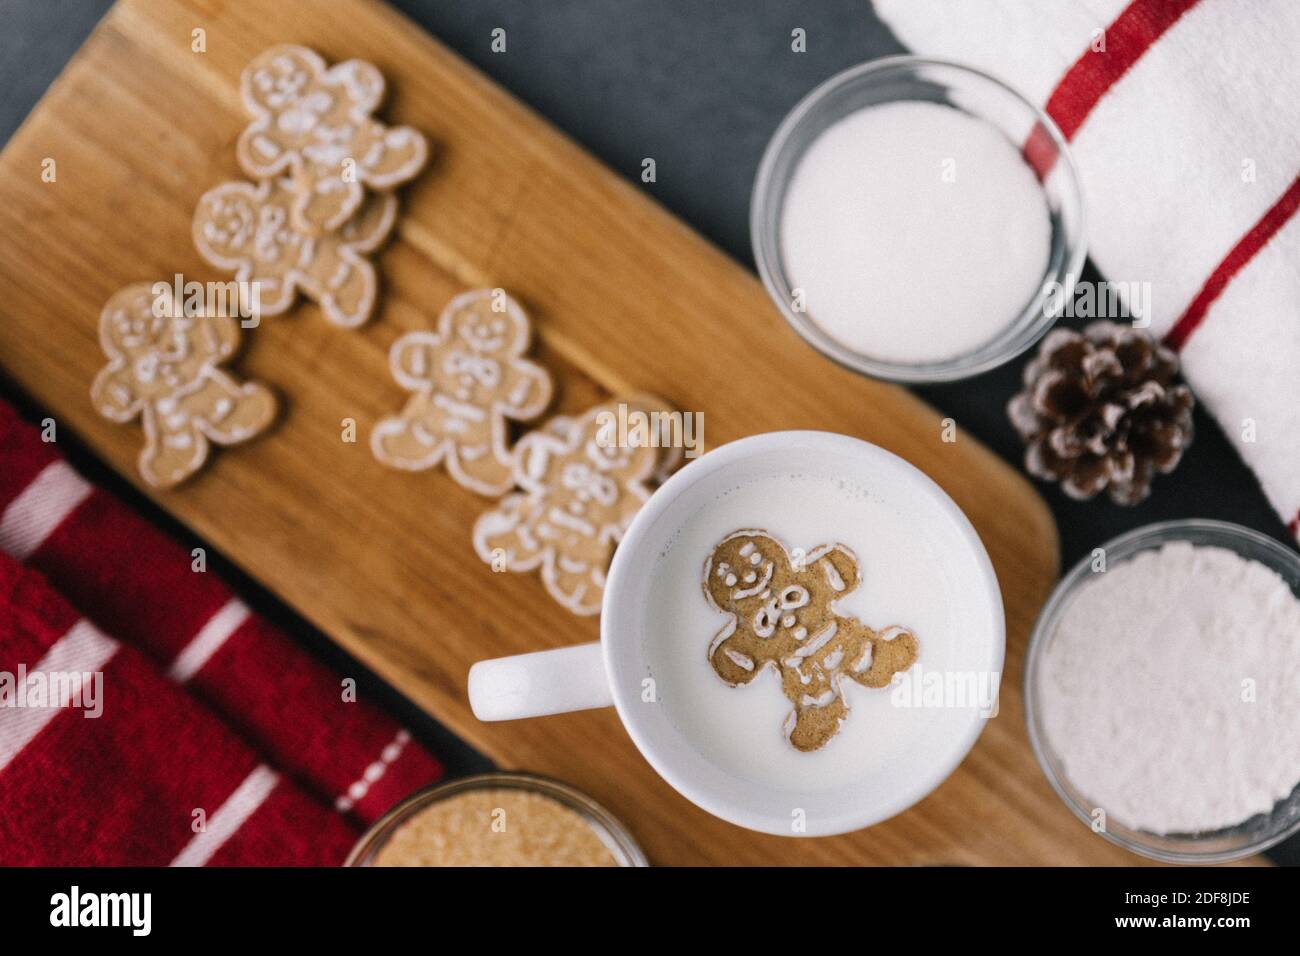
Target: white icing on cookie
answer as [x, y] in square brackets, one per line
[469, 380]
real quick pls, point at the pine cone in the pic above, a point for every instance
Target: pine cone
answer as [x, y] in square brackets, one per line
[1102, 410]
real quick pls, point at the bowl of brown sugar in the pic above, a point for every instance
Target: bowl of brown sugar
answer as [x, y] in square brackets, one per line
[498, 819]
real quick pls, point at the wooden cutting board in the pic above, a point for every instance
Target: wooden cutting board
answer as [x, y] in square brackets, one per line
[624, 296]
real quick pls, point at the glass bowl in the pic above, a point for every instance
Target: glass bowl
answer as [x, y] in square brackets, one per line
[611, 832]
[909, 78]
[1218, 846]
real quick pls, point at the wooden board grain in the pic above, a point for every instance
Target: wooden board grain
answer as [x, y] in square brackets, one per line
[624, 296]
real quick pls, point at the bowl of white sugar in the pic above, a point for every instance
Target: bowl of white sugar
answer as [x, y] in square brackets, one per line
[1162, 691]
[917, 220]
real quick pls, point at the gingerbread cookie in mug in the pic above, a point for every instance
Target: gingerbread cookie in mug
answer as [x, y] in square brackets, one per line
[163, 369]
[783, 616]
[469, 380]
[314, 124]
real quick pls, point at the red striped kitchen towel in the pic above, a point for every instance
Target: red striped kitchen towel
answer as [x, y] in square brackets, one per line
[1184, 119]
[206, 706]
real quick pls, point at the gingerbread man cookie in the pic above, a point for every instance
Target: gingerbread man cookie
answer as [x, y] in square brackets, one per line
[163, 368]
[313, 122]
[580, 492]
[250, 230]
[783, 616]
[469, 377]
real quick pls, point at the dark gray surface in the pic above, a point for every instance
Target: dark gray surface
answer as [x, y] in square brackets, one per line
[698, 86]
[37, 37]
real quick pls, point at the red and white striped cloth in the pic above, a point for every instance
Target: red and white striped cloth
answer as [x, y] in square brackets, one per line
[1184, 119]
[206, 706]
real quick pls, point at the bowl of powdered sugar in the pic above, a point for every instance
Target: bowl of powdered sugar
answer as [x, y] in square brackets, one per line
[917, 220]
[1162, 691]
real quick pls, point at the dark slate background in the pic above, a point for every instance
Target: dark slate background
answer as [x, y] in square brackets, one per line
[700, 87]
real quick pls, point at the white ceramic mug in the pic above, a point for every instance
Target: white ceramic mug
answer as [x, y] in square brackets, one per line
[614, 669]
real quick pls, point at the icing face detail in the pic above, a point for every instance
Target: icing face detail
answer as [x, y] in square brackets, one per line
[782, 616]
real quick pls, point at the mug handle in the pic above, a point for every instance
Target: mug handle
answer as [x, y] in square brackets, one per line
[541, 683]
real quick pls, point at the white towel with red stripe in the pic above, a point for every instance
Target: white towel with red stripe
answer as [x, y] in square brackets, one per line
[219, 740]
[1184, 119]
